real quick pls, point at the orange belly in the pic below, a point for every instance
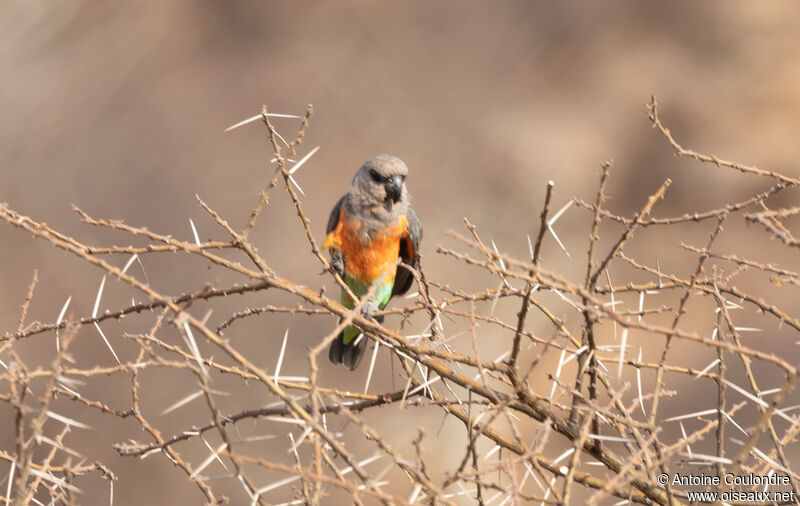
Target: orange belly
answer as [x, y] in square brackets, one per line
[367, 258]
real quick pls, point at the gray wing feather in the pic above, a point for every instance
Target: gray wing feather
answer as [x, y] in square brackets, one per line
[337, 263]
[404, 277]
[333, 220]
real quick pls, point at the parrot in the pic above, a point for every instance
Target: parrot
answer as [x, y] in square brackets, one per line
[370, 228]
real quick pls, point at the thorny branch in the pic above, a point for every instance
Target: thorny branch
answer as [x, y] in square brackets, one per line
[526, 432]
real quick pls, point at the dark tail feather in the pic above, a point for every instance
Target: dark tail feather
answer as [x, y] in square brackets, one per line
[349, 354]
[337, 349]
[354, 352]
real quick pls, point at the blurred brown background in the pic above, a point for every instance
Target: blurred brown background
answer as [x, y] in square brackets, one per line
[120, 109]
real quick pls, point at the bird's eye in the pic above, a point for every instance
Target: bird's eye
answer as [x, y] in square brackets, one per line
[374, 175]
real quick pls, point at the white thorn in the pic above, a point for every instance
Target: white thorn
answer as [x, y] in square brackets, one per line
[560, 244]
[105, 339]
[130, 262]
[194, 349]
[639, 381]
[258, 117]
[194, 232]
[371, 365]
[97, 300]
[280, 358]
[622, 351]
[559, 213]
[303, 160]
[189, 398]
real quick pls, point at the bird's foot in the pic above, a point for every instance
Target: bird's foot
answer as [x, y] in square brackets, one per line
[337, 263]
[367, 309]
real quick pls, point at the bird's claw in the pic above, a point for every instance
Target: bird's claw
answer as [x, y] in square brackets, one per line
[367, 309]
[337, 263]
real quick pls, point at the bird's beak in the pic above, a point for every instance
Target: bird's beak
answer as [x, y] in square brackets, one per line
[394, 188]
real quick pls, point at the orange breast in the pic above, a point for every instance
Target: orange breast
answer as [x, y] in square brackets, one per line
[367, 256]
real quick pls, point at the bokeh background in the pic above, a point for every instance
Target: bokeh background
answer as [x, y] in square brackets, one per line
[120, 109]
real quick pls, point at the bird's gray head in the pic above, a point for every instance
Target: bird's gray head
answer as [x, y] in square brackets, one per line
[381, 181]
